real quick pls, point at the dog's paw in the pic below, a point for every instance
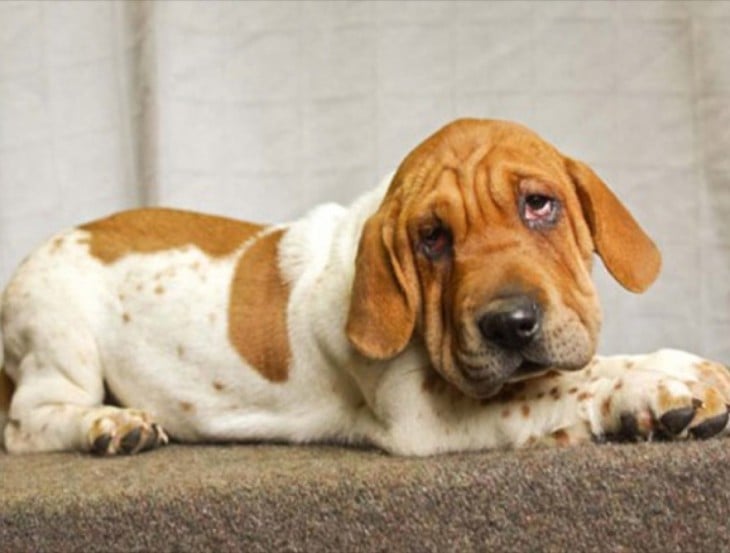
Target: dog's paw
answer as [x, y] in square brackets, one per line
[125, 431]
[668, 395]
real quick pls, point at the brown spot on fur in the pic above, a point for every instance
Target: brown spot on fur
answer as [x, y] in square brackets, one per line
[552, 374]
[257, 309]
[180, 351]
[505, 412]
[218, 385]
[561, 437]
[154, 229]
[525, 410]
[187, 406]
[606, 407]
[555, 392]
[540, 395]
[121, 297]
[433, 382]
[619, 384]
[126, 318]
[629, 364]
[56, 245]
[573, 390]
[583, 396]
[159, 289]
[7, 387]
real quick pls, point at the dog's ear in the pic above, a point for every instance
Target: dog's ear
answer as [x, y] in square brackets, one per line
[383, 303]
[627, 252]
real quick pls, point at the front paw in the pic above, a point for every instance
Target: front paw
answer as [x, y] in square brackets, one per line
[125, 431]
[650, 402]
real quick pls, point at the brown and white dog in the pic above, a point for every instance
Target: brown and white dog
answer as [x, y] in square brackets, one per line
[451, 308]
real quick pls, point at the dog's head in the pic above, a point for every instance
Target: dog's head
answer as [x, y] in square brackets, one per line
[482, 248]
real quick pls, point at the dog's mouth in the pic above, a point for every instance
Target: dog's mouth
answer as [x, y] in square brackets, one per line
[528, 369]
[483, 378]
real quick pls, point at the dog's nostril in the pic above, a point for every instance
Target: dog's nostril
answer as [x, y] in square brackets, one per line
[511, 323]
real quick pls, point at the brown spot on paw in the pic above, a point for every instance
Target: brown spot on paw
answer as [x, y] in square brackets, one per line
[561, 437]
[606, 406]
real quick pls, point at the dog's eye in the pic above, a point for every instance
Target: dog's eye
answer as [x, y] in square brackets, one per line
[538, 210]
[435, 241]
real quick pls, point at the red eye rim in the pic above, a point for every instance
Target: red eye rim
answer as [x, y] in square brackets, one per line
[539, 210]
[436, 241]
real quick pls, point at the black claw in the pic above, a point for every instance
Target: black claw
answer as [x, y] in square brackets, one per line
[677, 420]
[629, 428]
[130, 440]
[710, 427]
[101, 444]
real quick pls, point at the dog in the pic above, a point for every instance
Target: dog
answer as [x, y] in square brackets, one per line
[449, 309]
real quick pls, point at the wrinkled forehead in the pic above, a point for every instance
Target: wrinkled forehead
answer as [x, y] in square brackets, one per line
[472, 152]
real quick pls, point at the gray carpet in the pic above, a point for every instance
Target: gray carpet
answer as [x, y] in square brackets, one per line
[649, 497]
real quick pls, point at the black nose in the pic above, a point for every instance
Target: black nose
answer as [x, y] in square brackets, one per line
[511, 323]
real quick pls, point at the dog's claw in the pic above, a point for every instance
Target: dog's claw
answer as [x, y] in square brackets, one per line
[710, 427]
[101, 444]
[677, 420]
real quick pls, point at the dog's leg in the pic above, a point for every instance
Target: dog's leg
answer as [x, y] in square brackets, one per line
[664, 395]
[54, 408]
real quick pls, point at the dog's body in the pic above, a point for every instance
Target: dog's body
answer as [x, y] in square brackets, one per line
[358, 325]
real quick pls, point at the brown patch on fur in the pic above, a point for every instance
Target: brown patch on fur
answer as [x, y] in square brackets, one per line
[619, 384]
[714, 374]
[259, 296]
[583, 396]
[56, 245]
[573, 390]
[154, 229]
[561, 437]
[187, 406]
[433, 382]
[126, 318]
[505, 412]
[180, 351]
[540, 395]
[606, 407]
[159, 289]
[7, 387]
[555, 392]
[525, 410]
[552, 374]
[218, 385]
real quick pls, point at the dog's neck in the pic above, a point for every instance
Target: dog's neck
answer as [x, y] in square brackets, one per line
[317, 257]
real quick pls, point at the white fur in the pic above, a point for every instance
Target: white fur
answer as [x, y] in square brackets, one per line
[65, 334]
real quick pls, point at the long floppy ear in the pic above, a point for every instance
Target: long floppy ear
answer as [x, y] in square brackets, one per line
[383, 306]
[627, 252]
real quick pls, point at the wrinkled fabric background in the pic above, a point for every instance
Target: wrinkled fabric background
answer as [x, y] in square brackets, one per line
[260, 110]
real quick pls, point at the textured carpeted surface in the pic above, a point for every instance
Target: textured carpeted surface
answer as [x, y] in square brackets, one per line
[650, 497]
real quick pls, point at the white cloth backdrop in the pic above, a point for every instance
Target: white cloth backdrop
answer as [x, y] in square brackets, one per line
[260, 110]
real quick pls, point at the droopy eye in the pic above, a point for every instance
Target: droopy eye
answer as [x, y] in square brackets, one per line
[538, 210]
[436, 241]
